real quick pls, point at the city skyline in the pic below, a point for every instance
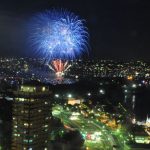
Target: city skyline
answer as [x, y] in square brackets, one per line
[74, 75]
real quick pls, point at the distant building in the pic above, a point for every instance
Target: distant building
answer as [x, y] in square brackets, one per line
[147, 123]
[5, 124]
[73, 101]
[31, 117]
[1, 135]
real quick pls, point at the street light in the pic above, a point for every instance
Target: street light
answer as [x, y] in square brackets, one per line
[134, 86]
[69, 95]
[57, 95]
[89, 94]
[102, 91]
[126, 91]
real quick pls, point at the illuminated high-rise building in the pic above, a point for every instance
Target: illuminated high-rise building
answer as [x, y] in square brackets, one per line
[31, 117]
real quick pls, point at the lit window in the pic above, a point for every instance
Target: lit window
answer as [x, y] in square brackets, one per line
[30, 141]
[46, 118]
[43, 89]
[21, 99]
[26, 124]
[32, 100]
[46, 126]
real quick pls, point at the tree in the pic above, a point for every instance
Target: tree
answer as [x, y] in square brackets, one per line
[73, 140]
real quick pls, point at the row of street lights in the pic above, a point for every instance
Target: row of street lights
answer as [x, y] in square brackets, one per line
[69, 95]
[101, 91]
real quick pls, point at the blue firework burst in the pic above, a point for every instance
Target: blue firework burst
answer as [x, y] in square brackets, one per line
[58, 34]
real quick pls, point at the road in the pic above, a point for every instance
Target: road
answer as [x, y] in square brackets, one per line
[97, 136]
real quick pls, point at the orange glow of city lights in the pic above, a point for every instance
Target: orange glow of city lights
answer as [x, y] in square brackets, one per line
[130, 77]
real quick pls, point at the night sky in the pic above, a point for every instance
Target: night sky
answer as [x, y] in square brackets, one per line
[119, 29]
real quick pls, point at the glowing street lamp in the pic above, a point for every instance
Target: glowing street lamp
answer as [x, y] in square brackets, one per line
[134, 86]
[126, 91]
[89, 94]
[69, 95]
[57, 95]
[102, 91]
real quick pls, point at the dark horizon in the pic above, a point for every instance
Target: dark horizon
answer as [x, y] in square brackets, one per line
[118, 30]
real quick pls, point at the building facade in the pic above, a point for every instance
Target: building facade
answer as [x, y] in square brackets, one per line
[31, 117]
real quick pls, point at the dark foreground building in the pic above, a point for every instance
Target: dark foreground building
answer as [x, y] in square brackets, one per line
[31, 117]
